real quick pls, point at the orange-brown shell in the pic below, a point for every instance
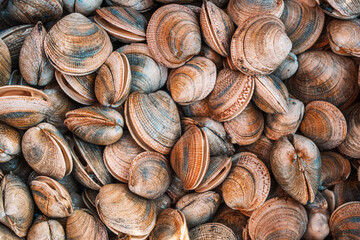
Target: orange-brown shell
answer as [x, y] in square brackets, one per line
[344, 221]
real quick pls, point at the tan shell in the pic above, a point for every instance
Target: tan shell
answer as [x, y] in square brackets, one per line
[253, 44]
[209, 53]
[340, 8]
[6, 233]
[83, 7]
[176, 189]
[44, 228]
[344, 222]
[138, 5]
[10, 141]
[197, 109]
[261, 148]
[212, 231]
[5, 64]
[89, 196]
[346, 191]
[162, 202]
[77, 46]
[231, 218]
[287, 68]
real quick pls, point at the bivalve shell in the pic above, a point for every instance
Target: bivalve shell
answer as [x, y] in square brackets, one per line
[5, 64]
[10, 143]
[344, 222]
[212, 231]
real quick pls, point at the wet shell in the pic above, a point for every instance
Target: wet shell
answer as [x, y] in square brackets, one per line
[5, 64]
[232, 93]
[23, 107]
[287, 68]
[248, 183]
[46, 151]
[192, 82]
[324, 124]
[344, 222]
[77, 46]
[138, 5]
[173, 35]
[83, 7]
[278, 218]
[153, 121]
[212, 231]
[123, 23]
[197, 109]
[253, 44]
[246, 128]
[44, 228]
[303, 24]
[340, 8]
[10, 143]
[325, 76]
[95, 124]
[190, 157]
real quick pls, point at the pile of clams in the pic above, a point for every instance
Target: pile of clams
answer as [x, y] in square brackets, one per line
[179, 119]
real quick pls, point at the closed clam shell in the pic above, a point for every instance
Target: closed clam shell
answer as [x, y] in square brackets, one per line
[296, 164]
[51, 197]
[10, 143]
[344, 222]
[170, 224]
[271, 95]
[119, 156]
[212, 231]
[340, 8]
[278, 125]
[16, 205]
[334, 169]
[287, 68]
[83, 7]
[123, 23]
[23, 107]
[77, 46]
[278, 218]
[333, 79]
[44, 228]
[217, 28]
[197, 109]
[192, 82]
[231, 218]
[78, 88]
[190, 157]
[95, 124]
[303, 24]
[324, 124]
[46, 151]
[248, 183]
[5, 64]
[199, 208]
[6, 233]
[34, 66]
[124, 212]
[232, 93]
[173, 35]
[153, 121]
[246, 128]
[149, 175]
[253, 43]
[84, 224]
[138, 5]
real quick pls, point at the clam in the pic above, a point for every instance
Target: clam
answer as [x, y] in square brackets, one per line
[261, 148]
[296, 164]
[149, 175]
[44, 228]
[176, 189]
[278, 218]
[51, 197]
[77, 46]
[46, 151]
[5, 64]
[125, 212]
[287, 68]
[192, 82]
[146, 74]
[340, 8]
[324, 124]
[170, 224]
[124, 23]
[6, 233]
[248, 183]
[324, 76]
[344, 222]
[16, 205]
[199, 208]
[197, 109]
[278, 125]
[83, 7]
[347, 191]
[190, 157]
[212, 231]
[217, 28]
[209, 53]
[246, 128]
[95, 124]
[153, 120]
[173, 35]
[232, 93]
[138, 5]
[303, 24]
[231, 218]
[253, 43]
[162, 202]
[84, 224]
[34, 66]
[10, 146]
[23, 107]
[89, 197]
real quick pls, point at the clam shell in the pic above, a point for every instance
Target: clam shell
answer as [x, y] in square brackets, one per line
[10, 143]
[344, 222]
[340, 8]
[346, 191]
[212, 231]
[44, 228]
[287, 68]
[17, 166]
[231, 218]
[83, 7]
[77, 46]
[138, 5]
[212, 55]
[89, 197]
[197, 109]
[7, 234]
[261, 148]
[176, 189]
[5, 64]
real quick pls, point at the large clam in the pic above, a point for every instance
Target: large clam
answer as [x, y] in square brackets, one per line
[343, 221]
[44, 228]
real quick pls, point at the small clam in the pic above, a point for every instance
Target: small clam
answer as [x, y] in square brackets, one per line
[95, 124]
[138, 5]
[51, 197]
[44, 228]
[248, 183]
[344, 221]
[340, 8]
[231, 218]
[10, 141]
[5, 64]
[6, 233]
[176, 189]
[80, 6]
[212, 231]
[296, 164]
[324, 124]
[287, 68]
[197, 109]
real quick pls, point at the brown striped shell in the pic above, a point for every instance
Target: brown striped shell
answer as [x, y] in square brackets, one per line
[209, 53]
[231, 218]
[344, 223]
[77, 46]
[124, 23]
[324, 124]
[176, 189]
[340, 8]
[232, 93]
[138, 5]
[44, 228]
[346, 191]
[5, 64]
[212, 231]
[248, 183]
[197, 109]
[10, 143]
[173, 35]
[287, 68]
[303, 24]
[261, 148]
[253, 44]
